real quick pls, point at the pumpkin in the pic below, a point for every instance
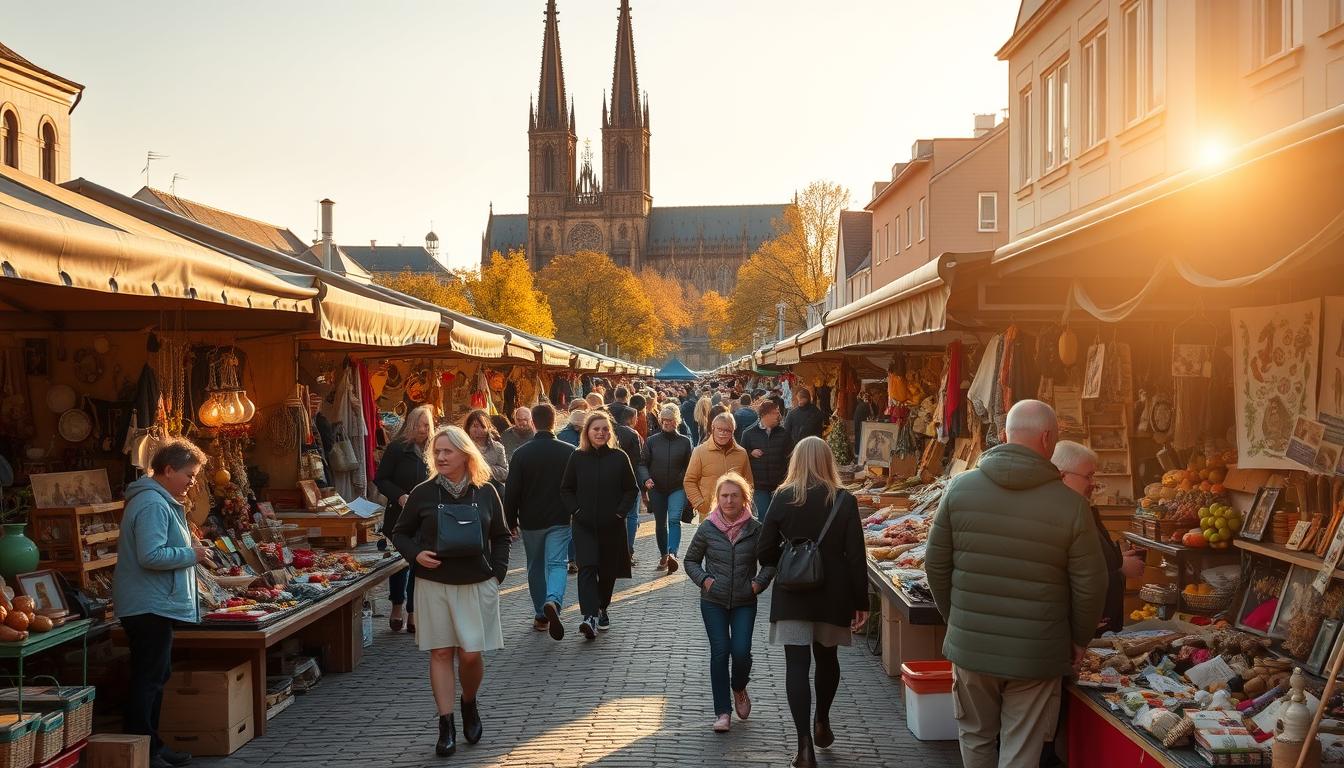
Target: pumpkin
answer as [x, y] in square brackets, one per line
[17, 620]
[40, 624]
[1068, 347]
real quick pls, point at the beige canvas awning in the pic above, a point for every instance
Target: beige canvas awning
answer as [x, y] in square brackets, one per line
[77, 250]
[554, 356]
[349, 317]
[912, 304]
[474, 341]
[522, 348]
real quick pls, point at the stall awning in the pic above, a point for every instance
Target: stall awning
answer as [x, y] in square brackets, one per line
[44, 239]
[554, 356]
[354, 319]
[914, 303]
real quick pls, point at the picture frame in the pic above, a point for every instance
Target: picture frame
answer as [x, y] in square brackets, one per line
[70, 489]
[1326, 639]
[1299, 535]
[312, 496]
[1257, 520]
[35, 357]
[878, 443]
[1096, 358]
[1108, 439]
[44, 587]
[1266, 581]
[1295, 598]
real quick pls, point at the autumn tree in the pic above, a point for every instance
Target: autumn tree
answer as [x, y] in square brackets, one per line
[671, 306]
[445, 292]
[594, 300]
[713, 312]
[504, 291]
[793, 267]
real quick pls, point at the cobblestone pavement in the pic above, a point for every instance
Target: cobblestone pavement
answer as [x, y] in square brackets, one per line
[637, 696]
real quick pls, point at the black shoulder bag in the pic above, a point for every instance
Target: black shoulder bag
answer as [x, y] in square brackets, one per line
[460, 530]
[800, 566]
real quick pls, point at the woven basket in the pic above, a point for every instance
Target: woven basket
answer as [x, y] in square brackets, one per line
[50, 736]
[1152, 593]
[1212, 602]
[18, 742]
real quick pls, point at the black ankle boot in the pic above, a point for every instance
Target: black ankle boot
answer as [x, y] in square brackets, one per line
[471, 722]
[807, 758]
[447, 743]
[822, 736]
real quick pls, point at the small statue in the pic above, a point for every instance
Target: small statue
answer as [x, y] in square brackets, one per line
[1292, 726]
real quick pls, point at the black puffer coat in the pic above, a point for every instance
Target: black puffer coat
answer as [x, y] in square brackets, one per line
[664, 460]
[731, 564]
[598, 491]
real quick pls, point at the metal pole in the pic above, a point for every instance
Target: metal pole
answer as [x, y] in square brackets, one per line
[779, 321]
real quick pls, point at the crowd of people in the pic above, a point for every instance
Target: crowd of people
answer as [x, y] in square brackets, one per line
[755, 476]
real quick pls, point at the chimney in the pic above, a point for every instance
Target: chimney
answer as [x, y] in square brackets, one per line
[328, 249]
[983, 124]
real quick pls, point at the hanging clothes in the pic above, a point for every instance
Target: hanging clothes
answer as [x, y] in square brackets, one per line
[981, 393]
[561, 391]
[510, 398]
[949, 393]
[371, 423]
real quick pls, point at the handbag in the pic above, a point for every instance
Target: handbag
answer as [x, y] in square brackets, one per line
[343, 458]
[460, 531]
[800, 567]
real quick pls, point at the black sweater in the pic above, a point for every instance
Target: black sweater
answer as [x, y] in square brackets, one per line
[532, 493]
[599, 487]
[768, 471]
[418, 528]
[844, 588]
[401, 469]
[664, 459]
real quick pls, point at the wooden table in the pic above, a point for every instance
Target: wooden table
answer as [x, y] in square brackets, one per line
[910, 631]
[334, 620]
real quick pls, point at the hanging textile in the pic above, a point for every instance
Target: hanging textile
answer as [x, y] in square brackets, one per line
[949, 393]
[981, 393]
[371, 423]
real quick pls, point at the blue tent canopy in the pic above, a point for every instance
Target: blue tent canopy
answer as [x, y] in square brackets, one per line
[675, 371]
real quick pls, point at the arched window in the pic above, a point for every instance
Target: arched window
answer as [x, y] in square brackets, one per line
[48, 152]
[623, 166]
[9, 136]
[548, 169]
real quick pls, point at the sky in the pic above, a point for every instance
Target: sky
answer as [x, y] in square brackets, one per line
[412, 112]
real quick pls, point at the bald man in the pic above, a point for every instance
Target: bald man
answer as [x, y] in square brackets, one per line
[521, 431]
[1016, 569]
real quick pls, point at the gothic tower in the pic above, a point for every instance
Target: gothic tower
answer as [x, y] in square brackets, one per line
[625, 151]
[551, 147]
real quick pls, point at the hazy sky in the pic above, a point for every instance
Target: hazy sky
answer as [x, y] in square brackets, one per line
[405, 112]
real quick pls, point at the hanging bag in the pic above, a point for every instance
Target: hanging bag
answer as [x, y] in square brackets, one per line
[343, 458]
[460, 531]
[800, 567]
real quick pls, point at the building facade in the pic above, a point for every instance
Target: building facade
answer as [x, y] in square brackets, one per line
[35, 107]
[575, 205]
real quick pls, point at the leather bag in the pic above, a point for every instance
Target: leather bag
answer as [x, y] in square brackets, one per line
[800, 568]
[460, 531]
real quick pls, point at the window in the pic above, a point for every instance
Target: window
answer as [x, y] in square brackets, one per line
[909, 223]
[1278, 27]
[897, 242]
[1094, 90]
[48, 152]
[9, 136]
[623, 167]
[989, 211]
[877, 246]
[1024, 149]
[1055, 120]
[891, 241]
[1145, 54]
[548, 170]
[923, 219]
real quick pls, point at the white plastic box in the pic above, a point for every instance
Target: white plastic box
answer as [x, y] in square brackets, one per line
[928, 700]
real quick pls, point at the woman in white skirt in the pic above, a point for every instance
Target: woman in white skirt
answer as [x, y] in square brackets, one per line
[452, 527]
[810, 623]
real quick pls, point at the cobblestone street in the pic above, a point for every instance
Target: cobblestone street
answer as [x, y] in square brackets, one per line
[638, 696]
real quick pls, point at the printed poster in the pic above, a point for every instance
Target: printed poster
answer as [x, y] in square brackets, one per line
[1274, 354]
[1332, 359]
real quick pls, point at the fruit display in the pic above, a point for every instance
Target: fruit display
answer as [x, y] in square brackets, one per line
[1148, 611]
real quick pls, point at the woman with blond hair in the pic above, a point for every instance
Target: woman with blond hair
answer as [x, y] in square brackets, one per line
[453, 528]
[712, 459]
[810, 506]
[662, 468]
[403, 467]
[722, 562]
[598, 491]
[703, 407]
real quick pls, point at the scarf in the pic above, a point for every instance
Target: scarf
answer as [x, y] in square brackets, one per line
[456, 489]
[731, 530]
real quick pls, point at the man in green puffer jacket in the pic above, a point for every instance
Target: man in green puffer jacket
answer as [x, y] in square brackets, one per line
[1016, 570]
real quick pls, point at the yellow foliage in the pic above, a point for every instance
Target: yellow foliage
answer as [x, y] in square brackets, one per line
[447, 293]
[505, 291]
[714, 315]
[594, 300]
[671, 306]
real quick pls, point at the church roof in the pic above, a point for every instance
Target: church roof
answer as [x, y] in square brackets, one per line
[395, 258]
[507, 230]
[755, 223]
[10, 55]
[856, 231]
[271, 236]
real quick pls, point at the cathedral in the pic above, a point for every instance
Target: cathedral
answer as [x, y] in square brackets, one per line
[572, 206]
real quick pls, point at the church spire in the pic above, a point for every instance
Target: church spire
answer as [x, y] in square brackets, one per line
[625, 106]
[551, 106]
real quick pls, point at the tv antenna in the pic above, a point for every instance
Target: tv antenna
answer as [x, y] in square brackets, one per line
[172, 187]
[150, 157]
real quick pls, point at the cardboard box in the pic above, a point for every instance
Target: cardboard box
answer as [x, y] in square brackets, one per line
[116, 750]
[216, 742]
[199, 697]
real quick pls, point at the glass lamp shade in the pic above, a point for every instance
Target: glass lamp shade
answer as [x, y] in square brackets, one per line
[210, 413]
[231, 407]
[249, 407]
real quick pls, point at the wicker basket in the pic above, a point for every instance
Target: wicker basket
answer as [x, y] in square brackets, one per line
[78, 714]
[1216, 601]
[1157, 595]
[50, 736]
[18, 742]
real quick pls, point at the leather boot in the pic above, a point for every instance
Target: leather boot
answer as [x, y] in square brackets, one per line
[471, 722]
[807, 757]
[447, 743]
[822, 736]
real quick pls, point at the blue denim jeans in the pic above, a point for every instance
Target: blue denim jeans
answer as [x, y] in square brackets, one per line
[667, 509]
[632, 524]
[729, 633]
[401, 585]
[547, 567]
[760, 501]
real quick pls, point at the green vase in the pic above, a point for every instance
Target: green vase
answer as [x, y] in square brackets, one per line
[18, 553]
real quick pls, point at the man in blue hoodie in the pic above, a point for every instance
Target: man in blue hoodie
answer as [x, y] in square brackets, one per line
[154, 585]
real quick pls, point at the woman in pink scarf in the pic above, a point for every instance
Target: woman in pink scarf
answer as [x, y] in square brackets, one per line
[722, 562]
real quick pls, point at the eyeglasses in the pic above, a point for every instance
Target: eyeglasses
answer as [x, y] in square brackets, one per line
[1090, 477]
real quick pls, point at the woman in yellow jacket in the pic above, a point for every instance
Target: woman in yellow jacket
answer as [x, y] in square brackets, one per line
[711, 460]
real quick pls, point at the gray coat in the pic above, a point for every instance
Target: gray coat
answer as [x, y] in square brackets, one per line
[732, 564]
